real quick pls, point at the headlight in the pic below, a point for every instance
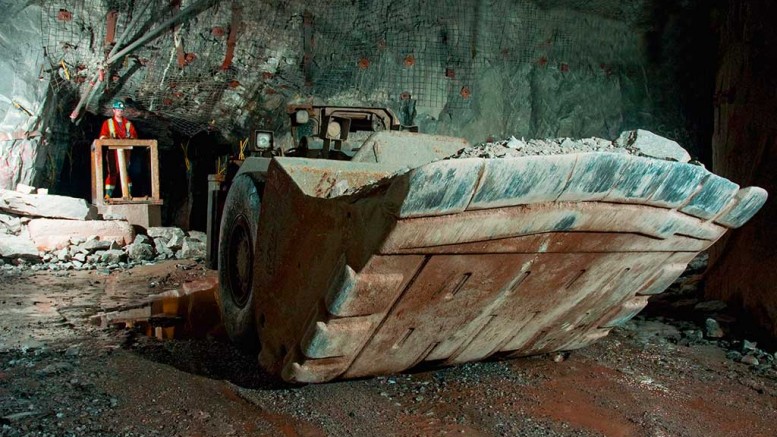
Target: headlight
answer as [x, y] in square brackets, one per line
[264, 140]
[301, 116]
[333, 130]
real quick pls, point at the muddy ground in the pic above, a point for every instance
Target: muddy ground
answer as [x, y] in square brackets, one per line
[60, 375]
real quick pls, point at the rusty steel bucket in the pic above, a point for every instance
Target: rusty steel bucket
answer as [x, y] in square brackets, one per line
[362, 270]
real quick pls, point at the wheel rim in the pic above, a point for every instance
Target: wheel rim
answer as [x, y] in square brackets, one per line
[240, 262]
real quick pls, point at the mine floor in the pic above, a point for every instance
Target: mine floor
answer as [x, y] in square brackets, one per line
[62, 374]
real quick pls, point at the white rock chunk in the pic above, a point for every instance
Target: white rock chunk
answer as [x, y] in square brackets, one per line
[165, 233]
[10, 224]
[652, 145]
[49, 234]
[49, 206]
[12, 246]
[25, 189]
[139, 251]
[198, 236]
[175, 243]
[192, 249]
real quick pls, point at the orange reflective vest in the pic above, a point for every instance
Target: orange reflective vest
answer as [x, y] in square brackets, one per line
[127, 128]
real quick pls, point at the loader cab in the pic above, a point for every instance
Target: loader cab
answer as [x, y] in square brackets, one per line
[336, 132]
[318, 132]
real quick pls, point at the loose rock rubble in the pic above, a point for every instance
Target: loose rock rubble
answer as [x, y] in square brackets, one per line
[637, 142]
[690, 333]
[94, 254]
[683, 317]
[35, 236]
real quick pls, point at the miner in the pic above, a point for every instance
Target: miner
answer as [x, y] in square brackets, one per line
[120, 128]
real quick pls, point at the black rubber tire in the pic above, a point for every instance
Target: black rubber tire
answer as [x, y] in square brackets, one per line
[237, 243]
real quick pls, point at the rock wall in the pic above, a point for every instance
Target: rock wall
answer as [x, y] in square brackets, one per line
[744, 266]
[23, 150]
[532, 69]
[472, 68]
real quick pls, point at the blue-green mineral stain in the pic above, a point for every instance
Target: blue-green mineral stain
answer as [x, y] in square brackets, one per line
[566, 223]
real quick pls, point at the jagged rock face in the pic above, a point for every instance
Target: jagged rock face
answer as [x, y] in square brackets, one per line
[743, 267]
[534, 69]
[22, 95]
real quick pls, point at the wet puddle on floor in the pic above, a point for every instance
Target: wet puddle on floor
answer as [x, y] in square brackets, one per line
[188, 312]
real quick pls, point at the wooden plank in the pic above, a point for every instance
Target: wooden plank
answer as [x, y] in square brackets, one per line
[113, 142]
[98, 175]
[154, 171]
[93, 175]
[121, 162]
[133, 201]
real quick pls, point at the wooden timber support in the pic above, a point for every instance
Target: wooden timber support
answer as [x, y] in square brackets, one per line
[98, 193]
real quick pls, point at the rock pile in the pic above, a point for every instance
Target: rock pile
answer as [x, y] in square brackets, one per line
[637, 142]
[94, 253]
[659, 329]
[48, 232]
[163, 243]
[747, 352]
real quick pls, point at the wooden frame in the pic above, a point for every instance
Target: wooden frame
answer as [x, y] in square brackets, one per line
[98, 190]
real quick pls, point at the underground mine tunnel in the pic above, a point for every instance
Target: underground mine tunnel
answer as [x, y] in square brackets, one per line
[261, 217]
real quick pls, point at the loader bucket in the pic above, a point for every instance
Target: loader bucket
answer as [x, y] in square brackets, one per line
[458, 260]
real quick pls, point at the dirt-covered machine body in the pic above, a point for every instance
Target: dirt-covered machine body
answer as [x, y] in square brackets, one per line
[451, 261]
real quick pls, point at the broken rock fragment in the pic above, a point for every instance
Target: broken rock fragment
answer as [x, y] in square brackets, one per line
[140, 251]
[49, 234]
[142, 239]
[96, 244]
[49, 206]
[163, 251]
[165, 233]
[113, 256]
[713, 329]
[637, 142]
[10, 224]
[198, 236]
[192, 249]
[12, 246]
[175, 243]
[649, 144]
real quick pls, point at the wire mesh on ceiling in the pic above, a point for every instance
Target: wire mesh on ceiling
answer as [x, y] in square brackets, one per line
[71, 42]
[181, 76]
[344, 50]
[430, 52]
[395, 51]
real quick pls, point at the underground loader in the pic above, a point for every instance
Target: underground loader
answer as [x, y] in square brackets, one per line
[384, 254]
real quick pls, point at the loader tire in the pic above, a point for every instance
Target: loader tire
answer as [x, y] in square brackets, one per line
[237, 244]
